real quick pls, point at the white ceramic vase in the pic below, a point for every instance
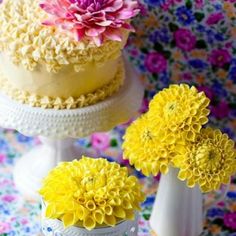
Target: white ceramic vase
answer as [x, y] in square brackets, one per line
[178, 210]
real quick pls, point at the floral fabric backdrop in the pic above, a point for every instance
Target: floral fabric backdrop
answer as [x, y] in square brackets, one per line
[176, 41]
[192, 42]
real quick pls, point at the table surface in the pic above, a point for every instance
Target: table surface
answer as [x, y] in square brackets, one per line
[19, 217]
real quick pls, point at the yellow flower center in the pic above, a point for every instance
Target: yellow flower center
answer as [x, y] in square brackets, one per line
[147, 135]
[171, 108]
[208, 157]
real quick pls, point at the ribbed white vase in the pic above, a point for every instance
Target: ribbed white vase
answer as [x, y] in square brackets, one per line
[178, 210]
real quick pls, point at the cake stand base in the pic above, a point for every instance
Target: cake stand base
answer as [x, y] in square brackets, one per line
[35, 165]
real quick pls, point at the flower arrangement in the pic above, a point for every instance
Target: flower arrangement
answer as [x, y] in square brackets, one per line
[95, 20]
[91, 192]
[171, 134]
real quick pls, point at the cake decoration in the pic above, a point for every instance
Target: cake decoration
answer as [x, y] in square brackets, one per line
[160, 140]
[95, 20]
[91, 192]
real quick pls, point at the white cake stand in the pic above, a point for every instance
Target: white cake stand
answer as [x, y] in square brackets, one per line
[58, 129]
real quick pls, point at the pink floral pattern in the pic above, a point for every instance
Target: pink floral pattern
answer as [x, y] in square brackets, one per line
[4, 228]
[219, 57]
[184, 39]
[214, 18]
[100, 141]
[155, 62]
[96, 20]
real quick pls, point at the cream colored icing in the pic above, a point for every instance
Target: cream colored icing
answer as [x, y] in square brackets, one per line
[30, 43]
[65, 83]
[42, 61]
[60, 102]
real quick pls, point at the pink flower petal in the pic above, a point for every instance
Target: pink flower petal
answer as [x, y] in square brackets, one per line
[94, 32]
[105, 23]
[114, 6]
[113, 34]
[128, 27]
[126, 14]
[48, 23]
[95, 20]
[97, 40]
[79, 34]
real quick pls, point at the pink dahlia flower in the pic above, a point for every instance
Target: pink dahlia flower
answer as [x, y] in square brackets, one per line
[96, 20]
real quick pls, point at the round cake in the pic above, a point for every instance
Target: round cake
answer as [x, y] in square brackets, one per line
[63, 54]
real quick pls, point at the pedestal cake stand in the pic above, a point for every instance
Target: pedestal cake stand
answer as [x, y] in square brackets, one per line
[58, 129]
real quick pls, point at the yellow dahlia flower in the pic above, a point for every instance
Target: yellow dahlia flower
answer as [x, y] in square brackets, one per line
[91, 192]
[209, 161]
[149, 148]
[180, 109]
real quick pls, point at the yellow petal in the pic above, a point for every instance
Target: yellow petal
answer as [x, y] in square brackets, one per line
[164, 169]
[98, 215]
[129, 214]
[126, 204]
[69, 219]
[190, 183]
[110, 220]
[81, 212]
[182, 175]
[91, 205]
[50, 211]
[108, 210]
[119, 212]
[89, 223]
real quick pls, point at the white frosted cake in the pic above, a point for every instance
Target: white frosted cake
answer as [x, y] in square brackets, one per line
[63, 54]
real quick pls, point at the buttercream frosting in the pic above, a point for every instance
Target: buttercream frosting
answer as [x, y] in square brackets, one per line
[65, 83]
[28, 42]
[61, 102]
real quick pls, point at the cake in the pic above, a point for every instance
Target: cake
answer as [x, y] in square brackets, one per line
[63, 54]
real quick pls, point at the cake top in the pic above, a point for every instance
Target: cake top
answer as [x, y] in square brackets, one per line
[91, 192]
[37, 32]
